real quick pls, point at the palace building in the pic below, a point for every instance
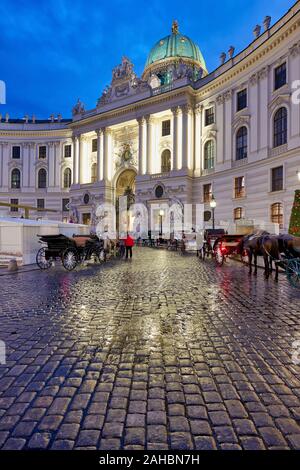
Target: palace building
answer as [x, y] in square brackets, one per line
[178, 133]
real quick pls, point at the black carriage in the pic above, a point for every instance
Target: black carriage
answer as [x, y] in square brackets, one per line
[209, 240]
[70, 250]
[228, 246]
[221, 246]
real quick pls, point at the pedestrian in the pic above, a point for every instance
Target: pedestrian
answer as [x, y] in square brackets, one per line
[122, 248]
[129, 242]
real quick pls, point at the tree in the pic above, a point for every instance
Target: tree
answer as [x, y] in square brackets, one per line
[294, 228]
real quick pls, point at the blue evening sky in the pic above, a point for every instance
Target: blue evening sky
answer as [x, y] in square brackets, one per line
[54, 51]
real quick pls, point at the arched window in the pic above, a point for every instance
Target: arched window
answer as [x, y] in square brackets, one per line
[16, 179]
[42, 178]
[94, 169]
[280, 127]
[67, 178]
[166, 161]
[241, 143]
[277, 213]
[209, 155]
[238, 213]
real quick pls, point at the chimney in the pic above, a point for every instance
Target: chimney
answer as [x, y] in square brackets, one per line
[33, 118]
[231, 52]
[267, 22]
[59, 116]
[26, 117]
[222, 58]
[256, 31]
[6, 117]
[52, 117]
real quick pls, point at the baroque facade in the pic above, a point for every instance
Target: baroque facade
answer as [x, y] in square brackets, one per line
[175, 134]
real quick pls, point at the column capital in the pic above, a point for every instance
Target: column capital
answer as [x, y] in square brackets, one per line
[187, 109]
[198, 108]
[176, 110]
[141, 120]
[149, 119]
[98, 132]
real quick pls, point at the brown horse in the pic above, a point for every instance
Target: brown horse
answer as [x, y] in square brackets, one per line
[263, 244]
[271, 248]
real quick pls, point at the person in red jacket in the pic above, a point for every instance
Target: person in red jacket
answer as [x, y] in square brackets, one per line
[129, 242]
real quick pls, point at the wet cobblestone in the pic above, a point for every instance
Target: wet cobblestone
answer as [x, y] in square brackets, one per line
[163, 352]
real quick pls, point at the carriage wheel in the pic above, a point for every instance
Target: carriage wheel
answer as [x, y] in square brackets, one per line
[293, 272]
[69, 259]
[219, 257]
[41, 260]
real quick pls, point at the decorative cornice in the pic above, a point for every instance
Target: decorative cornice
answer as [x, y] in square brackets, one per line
[278, 101]
[295, 49]
[240, 121]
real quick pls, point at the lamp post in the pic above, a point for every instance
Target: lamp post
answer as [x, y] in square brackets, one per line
[213, 206]
[161, 214]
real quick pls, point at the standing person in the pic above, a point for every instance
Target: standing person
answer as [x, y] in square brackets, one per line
[129, 242]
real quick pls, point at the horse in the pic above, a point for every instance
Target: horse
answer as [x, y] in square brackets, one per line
[260, 243]
[271, 248]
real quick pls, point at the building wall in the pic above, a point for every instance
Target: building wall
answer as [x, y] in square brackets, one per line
[138, 123]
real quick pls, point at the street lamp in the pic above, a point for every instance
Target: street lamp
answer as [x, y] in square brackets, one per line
[161, 214]
[213, 206]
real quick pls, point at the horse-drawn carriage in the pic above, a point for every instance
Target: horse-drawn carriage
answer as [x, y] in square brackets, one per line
[70, 250]
[282, 250]
[220, 245]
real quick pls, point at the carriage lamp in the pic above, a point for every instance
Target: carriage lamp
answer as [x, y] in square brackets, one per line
[298, 174]
[161, 214]
[213, 206]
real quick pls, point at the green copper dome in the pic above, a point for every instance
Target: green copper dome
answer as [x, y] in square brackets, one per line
[175, 46]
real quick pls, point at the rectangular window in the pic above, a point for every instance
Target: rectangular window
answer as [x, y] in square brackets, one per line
[166, 128]
[16, 151]
[241, 100]
[277, 214]
[280, 76]
[239, 187]
[94, 145]
[68, 151]
[42, 151]
[277, 178]
[238, 213]
[14, 201]
[41, 203]
[65, 205]
[209, 116]
[207, 192]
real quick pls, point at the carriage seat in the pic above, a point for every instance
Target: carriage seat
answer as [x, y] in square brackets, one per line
[81, 241]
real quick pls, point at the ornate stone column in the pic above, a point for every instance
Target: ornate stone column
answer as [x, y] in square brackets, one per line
[75, 159]
[175, 157]
[32, 153]
[141, 167]
[106, 153]
[197, 140]
[51, 164]
[58, 149]
[80, 159]
[99, 159]
[186, 141]
[26, 164]
[149, 157]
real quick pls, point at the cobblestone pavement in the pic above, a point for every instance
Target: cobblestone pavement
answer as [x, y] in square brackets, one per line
[163, 352]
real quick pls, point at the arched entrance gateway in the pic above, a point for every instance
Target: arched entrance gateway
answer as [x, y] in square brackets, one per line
[125, 186]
